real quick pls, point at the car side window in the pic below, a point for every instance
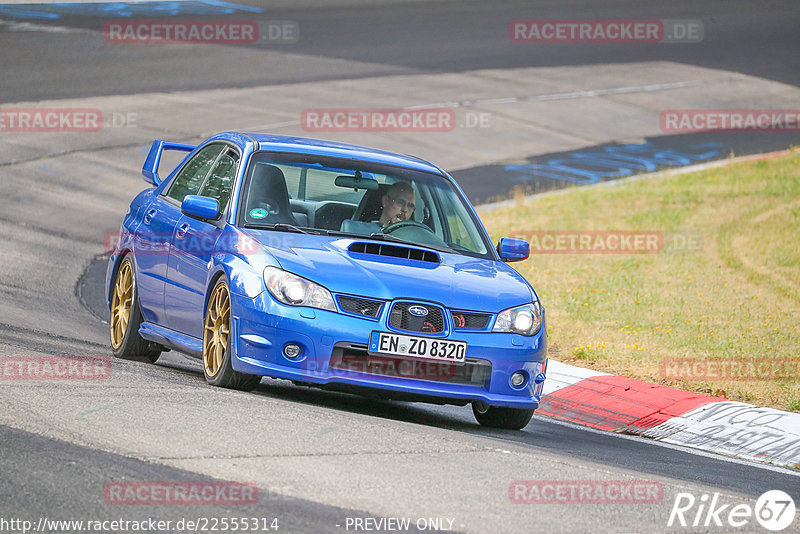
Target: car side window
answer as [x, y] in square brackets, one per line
[191, 177]
[220, 181]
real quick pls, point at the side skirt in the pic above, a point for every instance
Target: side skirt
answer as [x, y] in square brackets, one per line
[172, 339]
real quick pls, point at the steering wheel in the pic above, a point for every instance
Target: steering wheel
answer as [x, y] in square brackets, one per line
[414, 233]
[405, 224]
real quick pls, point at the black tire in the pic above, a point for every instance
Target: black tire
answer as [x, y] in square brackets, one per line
[217, 367]
[500, 417]
[126, 318]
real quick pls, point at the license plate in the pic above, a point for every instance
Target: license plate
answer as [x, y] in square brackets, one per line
[418, 347]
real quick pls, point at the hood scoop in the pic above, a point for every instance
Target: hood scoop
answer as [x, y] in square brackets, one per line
[394, 251]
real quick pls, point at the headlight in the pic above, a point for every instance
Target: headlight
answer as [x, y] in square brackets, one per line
[296, 291]
[525, 320]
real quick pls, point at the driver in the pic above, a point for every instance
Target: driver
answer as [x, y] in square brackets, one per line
[398, 204]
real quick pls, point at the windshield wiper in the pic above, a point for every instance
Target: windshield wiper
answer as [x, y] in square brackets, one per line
[393, 239]
[289, 228]
[375, 235]
[389, 237]
[279, 226]
[339, 233]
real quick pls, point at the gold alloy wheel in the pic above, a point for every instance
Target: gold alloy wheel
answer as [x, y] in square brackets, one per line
[121, 304]
[215, 335]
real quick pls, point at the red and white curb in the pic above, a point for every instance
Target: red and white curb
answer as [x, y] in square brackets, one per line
[609, 402]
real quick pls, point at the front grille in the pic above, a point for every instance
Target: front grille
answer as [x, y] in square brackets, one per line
[353, 359]
[403, 319]
[470, 320]
[370, 308]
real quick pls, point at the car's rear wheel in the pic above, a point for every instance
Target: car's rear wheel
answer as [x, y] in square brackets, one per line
[501, 417]
[126, 318]
[217, 343]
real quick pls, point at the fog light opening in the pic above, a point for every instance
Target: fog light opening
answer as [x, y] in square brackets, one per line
[291, 350]
[518, 379]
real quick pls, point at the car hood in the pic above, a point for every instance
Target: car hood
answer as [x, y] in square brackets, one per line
[458, 282]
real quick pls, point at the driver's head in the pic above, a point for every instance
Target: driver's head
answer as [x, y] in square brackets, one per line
[398, 203]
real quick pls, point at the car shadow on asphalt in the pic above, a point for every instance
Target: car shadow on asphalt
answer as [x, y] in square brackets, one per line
[543, 436]
[448, 416]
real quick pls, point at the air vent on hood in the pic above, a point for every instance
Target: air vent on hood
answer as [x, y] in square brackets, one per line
[382, 249]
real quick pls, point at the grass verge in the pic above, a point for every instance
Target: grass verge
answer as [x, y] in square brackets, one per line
[713, 307]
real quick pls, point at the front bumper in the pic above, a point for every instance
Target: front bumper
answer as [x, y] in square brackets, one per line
[334, 354]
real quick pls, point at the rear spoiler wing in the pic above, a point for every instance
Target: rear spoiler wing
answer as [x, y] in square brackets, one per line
[150, 167]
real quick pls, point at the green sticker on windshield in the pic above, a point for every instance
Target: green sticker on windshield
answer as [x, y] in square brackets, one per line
[258, 213]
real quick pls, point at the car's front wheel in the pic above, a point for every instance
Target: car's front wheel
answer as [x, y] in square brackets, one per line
[217, 343]
[126, 318]
[501, 417]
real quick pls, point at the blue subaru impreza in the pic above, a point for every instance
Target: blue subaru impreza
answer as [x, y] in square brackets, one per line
[330, 265]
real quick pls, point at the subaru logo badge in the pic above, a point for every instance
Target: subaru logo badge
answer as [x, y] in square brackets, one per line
[419, 311]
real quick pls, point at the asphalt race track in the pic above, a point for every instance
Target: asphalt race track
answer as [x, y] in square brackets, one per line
[319, 459]
[389, 38]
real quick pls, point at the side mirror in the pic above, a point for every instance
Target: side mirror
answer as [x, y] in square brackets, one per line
[151, 163]
[197, 207]
[513, 249]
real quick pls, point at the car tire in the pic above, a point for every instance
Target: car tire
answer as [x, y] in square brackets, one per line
[217, 353]
[501, 417]
[126, 318]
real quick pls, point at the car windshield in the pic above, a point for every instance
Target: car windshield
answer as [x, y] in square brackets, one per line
[338, 196]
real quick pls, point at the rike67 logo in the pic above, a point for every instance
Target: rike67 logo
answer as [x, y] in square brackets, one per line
[774, 510]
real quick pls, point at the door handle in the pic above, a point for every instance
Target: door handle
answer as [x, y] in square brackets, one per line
[149, 216]
[181, 232]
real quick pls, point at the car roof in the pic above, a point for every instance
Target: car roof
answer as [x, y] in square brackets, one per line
[306, 145]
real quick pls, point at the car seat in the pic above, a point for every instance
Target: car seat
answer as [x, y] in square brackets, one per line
[268, 191]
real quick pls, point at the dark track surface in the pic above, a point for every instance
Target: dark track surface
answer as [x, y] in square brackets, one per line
[543, 435]
[162, 416]
[758, 39]
[42, 465]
